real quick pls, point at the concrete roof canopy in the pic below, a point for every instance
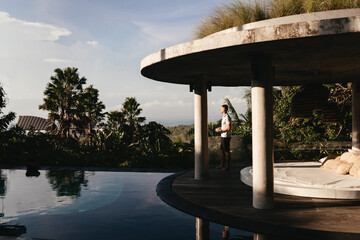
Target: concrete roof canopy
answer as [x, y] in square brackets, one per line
[318, 47]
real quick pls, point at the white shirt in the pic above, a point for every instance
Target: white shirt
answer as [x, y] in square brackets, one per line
[224, 122]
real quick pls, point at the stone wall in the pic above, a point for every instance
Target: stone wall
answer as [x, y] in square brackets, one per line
[237, 150]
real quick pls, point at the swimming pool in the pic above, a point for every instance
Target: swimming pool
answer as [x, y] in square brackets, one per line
[93, 205]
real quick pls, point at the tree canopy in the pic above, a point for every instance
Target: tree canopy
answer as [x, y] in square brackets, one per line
[61, 99]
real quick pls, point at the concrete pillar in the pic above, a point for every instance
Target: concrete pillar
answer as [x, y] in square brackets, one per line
[356, 115]
[262, 138]
[201, 130]
[202, 229]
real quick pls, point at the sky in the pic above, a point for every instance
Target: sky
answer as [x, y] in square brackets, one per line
[106, 40]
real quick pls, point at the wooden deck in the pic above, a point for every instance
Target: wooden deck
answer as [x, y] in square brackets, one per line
[224, 199]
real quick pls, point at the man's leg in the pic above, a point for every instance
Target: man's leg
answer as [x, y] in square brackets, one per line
[227, 154]
[228, 161]
[222, 150]
[223, 157]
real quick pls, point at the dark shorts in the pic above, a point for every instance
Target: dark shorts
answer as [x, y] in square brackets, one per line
[225, 144]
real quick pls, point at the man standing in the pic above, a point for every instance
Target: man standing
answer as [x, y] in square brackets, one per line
[225, 131]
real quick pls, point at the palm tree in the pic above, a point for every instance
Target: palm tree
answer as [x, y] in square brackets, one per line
[6, 118]
[131, 110]
[115, 121]
[91, 110]
[234, 115]
[61, 97]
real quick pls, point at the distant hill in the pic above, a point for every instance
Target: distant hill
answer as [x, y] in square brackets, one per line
[181, 132]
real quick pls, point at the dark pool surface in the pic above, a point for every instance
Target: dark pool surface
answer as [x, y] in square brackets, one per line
[93, 205]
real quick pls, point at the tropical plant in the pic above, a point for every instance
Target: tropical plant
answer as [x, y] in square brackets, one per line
[131, 110]
[62, 95]
[115, 121]
[5, 119]
[90, 110]
[154, 137]
[111, 136]
[235, 119]
[238, 13]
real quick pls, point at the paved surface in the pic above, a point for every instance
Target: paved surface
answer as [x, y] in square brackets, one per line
[224, 199]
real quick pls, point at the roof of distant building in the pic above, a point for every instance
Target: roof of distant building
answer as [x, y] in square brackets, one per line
[33, 122]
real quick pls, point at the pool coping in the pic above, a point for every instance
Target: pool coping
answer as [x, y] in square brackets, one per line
[98, 169]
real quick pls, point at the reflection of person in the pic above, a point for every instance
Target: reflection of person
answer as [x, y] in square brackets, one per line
[32, 167]
[226, 233]
[225, 131]
[32, 172]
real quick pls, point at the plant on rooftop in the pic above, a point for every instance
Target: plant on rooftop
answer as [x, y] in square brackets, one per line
[237, 13]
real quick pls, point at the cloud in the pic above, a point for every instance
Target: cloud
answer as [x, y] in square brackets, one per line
[57, 60]
[107, 54]
[30, 53]
[33, 30]
[93, 43]
[5, 83]
[167, 104]
[160, 88]
[162, 33]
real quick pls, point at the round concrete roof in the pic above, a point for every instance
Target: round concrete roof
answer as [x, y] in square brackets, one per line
[321, 47]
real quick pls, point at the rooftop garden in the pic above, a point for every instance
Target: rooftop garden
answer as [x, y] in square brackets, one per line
[238, 12]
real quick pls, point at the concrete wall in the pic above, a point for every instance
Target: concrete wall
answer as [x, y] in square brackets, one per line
[237, 150]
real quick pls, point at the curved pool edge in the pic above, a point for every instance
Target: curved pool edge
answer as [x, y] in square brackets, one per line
[167, 194]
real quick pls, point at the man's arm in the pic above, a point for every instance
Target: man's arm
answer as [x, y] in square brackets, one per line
[227, 128]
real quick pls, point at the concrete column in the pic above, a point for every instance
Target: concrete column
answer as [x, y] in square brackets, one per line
[356, 115]
[201, 129]
[262, 138]
[202, 229]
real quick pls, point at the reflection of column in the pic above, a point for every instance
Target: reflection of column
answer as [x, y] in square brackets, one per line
[262, 142]
[201, 129]
[202, 229]
[356, 115]
[258, 236]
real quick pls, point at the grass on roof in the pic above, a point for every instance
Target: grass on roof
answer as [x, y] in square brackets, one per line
[238, 12]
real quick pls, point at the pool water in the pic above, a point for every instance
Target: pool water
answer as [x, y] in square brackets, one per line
[93, 205]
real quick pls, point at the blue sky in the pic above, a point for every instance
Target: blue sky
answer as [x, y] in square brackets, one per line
[106, 40]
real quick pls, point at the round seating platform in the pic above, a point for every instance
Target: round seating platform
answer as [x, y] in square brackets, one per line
[307, 179]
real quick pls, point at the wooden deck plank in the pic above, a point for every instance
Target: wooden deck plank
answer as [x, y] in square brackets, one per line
[225, 199]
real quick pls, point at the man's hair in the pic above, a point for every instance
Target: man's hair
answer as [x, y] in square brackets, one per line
[225, 106]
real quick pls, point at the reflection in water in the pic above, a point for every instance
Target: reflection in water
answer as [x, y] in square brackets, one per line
[67, 183]
[202, 229]
[32, 171]
[55, 192]
[12, 229]
[226, 233]
[258, 236]
[3, 184]
[3, 188]
[112, 205]
[7, 229]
